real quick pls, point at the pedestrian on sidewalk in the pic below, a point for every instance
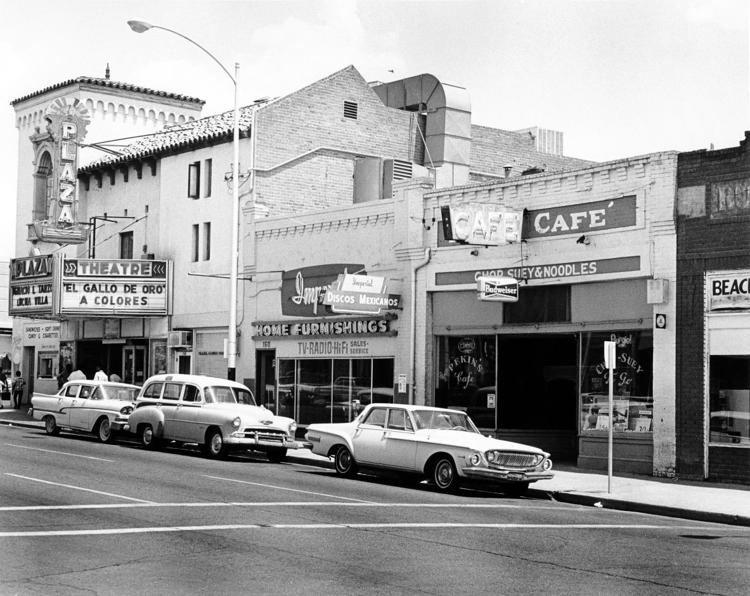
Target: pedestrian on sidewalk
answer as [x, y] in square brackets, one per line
[77, 375]
[62, 378]
[18, 385]
[100, 375]
[4, 389]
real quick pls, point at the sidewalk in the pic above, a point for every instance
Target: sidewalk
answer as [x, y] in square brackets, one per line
[695, 500]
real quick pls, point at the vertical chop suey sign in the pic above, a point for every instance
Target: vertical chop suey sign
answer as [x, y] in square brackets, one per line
[114, 287]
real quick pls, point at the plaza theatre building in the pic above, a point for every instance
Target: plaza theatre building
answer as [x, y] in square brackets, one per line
[594, 262]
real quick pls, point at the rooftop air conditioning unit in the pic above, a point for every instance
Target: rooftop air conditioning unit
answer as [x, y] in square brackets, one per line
[398, 169]
[180, 339]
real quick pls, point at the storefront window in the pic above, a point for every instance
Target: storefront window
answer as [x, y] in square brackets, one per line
[730, 400]
[47, 365]
[326, 390]
[466, 379]
[632, 392]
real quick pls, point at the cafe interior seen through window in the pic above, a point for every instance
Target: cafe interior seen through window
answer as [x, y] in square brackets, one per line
[544, 371]
[730, 400]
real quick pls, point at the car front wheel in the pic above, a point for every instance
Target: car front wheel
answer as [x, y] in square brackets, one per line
[50, 426]
[345, 464]
[276, 454]
[214, 446]
[104, 431]
[148, 439]
[444, 474]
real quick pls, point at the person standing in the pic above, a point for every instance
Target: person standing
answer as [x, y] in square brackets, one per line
[77, 375]
[100, 375]
[18, 385]
[4, 389]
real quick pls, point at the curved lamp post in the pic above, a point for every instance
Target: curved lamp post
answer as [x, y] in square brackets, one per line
[141, 27]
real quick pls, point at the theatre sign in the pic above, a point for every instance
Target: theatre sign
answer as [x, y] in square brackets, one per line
[114, 288]
[50, 286]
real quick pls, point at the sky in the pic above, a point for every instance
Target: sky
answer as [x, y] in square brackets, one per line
[619, 77]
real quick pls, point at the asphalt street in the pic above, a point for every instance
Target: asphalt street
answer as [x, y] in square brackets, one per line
[78, 516]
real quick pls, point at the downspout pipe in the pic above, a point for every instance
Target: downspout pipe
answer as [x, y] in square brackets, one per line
[413, 338]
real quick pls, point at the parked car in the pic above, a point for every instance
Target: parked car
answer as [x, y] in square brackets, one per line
[440, 444]
[100, 407]
[218, 414]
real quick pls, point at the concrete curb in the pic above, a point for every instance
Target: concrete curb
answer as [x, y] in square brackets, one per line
[637, 507]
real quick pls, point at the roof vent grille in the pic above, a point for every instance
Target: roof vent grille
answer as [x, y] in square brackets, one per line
[350, 110]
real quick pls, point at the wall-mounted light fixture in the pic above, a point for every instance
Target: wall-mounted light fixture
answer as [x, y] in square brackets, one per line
[474, 252]
[583, 240]
[507, 169]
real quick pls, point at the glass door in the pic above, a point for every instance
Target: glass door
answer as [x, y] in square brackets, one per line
[134, 364]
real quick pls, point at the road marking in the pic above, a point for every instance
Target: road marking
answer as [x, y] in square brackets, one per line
[60, 452]
[403, 526]
[278, 504]
[88, 490]
[294, 490]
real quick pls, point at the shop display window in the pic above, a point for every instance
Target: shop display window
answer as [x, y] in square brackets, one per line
[466, 379]
[332, 390]
[729, 418]
[633, 402]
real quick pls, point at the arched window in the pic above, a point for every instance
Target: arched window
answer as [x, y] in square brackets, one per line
[43, 186]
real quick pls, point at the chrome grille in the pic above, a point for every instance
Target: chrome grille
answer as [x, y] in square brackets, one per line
[507, 459]
[264, 434]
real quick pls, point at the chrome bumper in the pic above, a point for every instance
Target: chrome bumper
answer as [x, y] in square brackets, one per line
[491, 475]
[259, 441]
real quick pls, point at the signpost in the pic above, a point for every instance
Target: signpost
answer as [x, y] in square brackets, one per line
[610, 355]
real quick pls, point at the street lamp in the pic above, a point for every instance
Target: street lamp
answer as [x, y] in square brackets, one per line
[141, 27]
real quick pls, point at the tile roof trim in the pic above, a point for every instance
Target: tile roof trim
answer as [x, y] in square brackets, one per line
[112, 85]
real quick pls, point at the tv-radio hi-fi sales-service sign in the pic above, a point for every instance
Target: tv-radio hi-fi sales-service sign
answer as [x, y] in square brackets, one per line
[112, 287]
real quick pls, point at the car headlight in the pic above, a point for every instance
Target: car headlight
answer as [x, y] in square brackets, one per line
[475, 459]
[236, 422]
[547, 464]
[292, 428]
[491, 456]
[126, 411]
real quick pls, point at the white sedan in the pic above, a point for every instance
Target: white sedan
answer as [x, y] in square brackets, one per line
[99, 407]
[442, 445]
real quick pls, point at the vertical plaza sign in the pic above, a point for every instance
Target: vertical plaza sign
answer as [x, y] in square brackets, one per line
[114, 288]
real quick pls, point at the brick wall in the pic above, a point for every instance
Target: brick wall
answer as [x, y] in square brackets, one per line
[305, 147]
[704, 244]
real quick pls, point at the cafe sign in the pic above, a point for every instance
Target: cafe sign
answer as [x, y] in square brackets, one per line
[478, 223]
[114, 287]
[30, 286]
[728, 290]
[580, 218]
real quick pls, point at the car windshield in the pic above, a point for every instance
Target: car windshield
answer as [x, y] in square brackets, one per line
[115, 392]
[219, 394]
[443, 420]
